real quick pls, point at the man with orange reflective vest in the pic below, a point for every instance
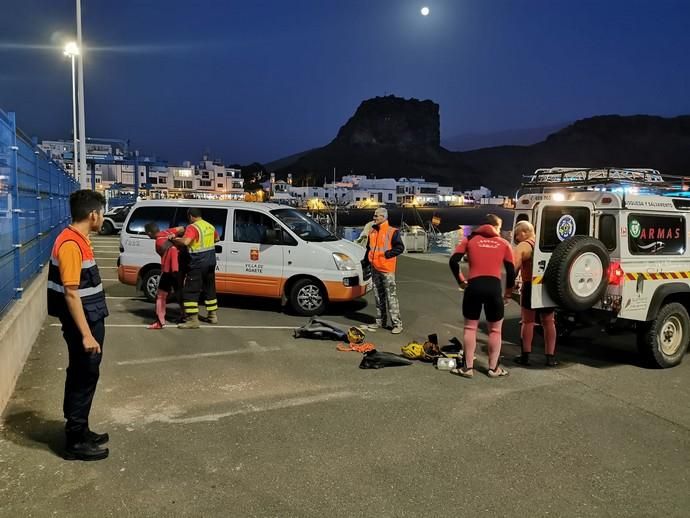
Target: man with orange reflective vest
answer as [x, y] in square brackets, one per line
[383, 248]
[200, 238]
[76, 297]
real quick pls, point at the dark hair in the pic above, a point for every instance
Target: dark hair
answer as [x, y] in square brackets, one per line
[84, 202]
[193, 212]
[151, 228]
[493, 220]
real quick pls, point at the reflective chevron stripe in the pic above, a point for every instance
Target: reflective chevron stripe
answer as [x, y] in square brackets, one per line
[661, 276]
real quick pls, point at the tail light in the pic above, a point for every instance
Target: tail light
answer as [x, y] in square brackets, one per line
[616, 274]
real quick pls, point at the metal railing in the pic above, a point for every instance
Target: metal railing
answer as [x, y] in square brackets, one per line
[34, 208]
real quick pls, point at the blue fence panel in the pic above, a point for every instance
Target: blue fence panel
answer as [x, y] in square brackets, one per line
[34, 208]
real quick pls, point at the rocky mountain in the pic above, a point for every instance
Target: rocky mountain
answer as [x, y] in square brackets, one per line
[395, 137]
[514, 137]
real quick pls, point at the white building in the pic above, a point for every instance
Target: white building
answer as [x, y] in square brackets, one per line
[214, 178]
[360, 191]
[476, 195]
[381, 190]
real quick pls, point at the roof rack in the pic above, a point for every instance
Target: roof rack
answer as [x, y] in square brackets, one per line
[573, 177]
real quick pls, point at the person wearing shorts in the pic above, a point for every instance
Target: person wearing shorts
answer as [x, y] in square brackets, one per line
[524, 252]
[487, 254]
[170, 270]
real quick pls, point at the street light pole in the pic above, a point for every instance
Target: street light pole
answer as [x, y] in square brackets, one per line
[83, 178]
[71, 50]
[75, 165]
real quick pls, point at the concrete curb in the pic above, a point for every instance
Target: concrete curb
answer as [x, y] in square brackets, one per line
[19, 329]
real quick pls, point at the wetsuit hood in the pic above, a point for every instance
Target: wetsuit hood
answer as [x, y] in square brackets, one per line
[486, 231]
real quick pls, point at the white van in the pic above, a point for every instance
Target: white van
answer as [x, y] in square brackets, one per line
[265, 250]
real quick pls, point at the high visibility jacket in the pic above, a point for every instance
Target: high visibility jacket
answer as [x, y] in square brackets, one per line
[203, 249]
[90, 287]
[379, 243]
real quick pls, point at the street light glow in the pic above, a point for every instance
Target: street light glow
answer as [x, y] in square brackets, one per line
[425, 11]
[71, 49]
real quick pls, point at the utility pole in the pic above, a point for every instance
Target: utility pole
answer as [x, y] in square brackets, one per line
[335, 203]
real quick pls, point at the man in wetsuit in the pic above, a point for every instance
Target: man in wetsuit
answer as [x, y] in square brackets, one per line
[487, 254]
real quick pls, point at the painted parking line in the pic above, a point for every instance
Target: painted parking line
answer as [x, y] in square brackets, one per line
[254, 408]
[214, 326]
[162, 359]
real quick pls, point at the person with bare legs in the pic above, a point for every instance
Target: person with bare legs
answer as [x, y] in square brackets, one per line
[524, 236]
[170, 270]
[487, 253]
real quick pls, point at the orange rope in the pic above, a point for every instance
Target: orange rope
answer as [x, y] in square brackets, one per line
[360, 348]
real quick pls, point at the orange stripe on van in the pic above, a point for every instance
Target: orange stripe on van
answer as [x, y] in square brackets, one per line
[254, 285]
[128, 274]
[339, 293]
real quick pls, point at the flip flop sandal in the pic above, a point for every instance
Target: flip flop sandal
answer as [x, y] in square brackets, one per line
[462, 372]
[498, 372]
[156, 325]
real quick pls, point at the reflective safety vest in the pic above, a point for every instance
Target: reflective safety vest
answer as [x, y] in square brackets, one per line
[206, 241]
[203, 250]
[380, 241]
[90, 287]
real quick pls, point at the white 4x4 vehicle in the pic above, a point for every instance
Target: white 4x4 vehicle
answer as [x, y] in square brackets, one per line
[612, 245]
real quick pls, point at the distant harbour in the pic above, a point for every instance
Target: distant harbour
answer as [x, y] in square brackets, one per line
[450, 217]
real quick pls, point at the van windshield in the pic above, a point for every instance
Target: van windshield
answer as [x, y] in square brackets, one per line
[303, 226]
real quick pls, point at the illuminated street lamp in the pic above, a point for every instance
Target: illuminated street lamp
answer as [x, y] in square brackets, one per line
[72, 51]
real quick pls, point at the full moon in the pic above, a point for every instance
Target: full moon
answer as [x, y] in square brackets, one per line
[425, 11]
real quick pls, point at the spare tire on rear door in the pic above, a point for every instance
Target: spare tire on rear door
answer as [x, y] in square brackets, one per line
[576, 276]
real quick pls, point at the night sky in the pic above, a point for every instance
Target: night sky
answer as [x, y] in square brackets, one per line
[258, 80]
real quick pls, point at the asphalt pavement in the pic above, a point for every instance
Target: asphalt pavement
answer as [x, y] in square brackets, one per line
[242, 419]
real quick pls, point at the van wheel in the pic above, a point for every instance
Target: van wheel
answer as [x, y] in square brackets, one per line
[664, 342]
[107, 228]
[576, 276]
[307, 297]
[149, 283]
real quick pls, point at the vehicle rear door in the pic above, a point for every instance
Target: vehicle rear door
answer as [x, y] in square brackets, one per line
[554, 223]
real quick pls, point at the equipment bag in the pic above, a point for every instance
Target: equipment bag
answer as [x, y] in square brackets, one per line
[321, 330]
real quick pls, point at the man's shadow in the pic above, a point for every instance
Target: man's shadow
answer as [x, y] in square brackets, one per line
[30, 429]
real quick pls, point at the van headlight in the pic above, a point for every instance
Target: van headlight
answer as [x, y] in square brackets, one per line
[344, 262]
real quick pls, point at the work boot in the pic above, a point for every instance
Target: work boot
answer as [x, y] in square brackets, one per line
[191, 322]
[85, 451]
[522, 359]
[551, 360]
[211, 318]
[397, 330]
[96, 438]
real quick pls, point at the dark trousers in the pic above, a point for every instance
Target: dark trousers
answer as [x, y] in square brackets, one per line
[82, 377]
[200, 281]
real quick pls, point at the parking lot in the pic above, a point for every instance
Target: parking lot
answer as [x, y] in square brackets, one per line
[242, 419]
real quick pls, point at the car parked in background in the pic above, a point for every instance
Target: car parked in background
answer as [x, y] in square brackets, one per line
[114, 219]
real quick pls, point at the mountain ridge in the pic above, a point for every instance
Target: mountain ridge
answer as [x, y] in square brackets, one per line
[395, 137]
